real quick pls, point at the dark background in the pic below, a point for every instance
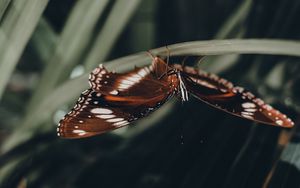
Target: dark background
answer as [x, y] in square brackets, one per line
[192, 144]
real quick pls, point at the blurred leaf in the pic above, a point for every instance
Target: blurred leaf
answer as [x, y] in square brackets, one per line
[3, 6]
[16, 29]
[73, 40]
[8, 168]
[247, 46]
[230, 29]
[237, 17]
[116, 22]
[275, 78]
[44, 40]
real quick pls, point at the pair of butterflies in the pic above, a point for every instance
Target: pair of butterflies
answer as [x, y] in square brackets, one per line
[115, 100]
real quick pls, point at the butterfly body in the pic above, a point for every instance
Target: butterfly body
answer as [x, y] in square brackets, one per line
[115, 100]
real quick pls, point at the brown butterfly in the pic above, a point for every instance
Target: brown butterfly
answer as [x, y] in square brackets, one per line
[117, 99]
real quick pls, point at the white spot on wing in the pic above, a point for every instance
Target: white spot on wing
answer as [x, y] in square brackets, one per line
[279, 122]
[115, 120]
[248, 105]
[151, 68]
[247, 116]
[268, 107]
[250, 110]
[121, 123]
[96, 71]
[142, 73]
[101, 111]
[147, 70]
[134, 79]
[123, 86]
[247, 113]
[114, 92]
[105, 116]
[85, 92]
[136, 76]
[128, 82]
[79, 132]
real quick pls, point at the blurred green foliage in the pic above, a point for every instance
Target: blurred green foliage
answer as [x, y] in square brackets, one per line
[45, 45]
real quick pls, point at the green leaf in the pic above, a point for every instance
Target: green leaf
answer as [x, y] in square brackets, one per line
[116, 22]
[237, 17]
[3, 6]
[72, 42]
[16, 29]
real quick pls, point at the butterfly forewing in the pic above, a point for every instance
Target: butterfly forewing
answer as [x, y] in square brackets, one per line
[115, 100]
[142, 82]
[221, 94]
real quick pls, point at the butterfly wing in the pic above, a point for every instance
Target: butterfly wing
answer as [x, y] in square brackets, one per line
[95, 113]
[116, 100]
[143, 81]
[221, 94]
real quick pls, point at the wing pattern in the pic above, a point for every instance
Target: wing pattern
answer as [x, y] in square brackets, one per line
[117, 99]
[222, 94]
[94, 114]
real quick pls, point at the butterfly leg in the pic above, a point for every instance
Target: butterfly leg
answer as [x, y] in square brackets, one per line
[183, 90]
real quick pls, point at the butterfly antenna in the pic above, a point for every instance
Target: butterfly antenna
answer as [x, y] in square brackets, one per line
[201, 59]
[169, 53]
[183, 61]
[168, 58]
[150, 54]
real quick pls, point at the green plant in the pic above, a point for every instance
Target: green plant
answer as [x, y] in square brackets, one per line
[181, 145]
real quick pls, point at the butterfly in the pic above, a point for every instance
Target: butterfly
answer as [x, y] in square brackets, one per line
[115, 100]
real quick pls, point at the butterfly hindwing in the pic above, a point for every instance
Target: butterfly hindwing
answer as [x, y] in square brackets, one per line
[87, 118]
[221, 94]
[95, 114]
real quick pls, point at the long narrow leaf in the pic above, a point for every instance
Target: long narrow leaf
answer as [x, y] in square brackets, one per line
[235, 19]
[3, 5]
[44, 40]
[73, 41]
[15, 31]
[114, 25]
